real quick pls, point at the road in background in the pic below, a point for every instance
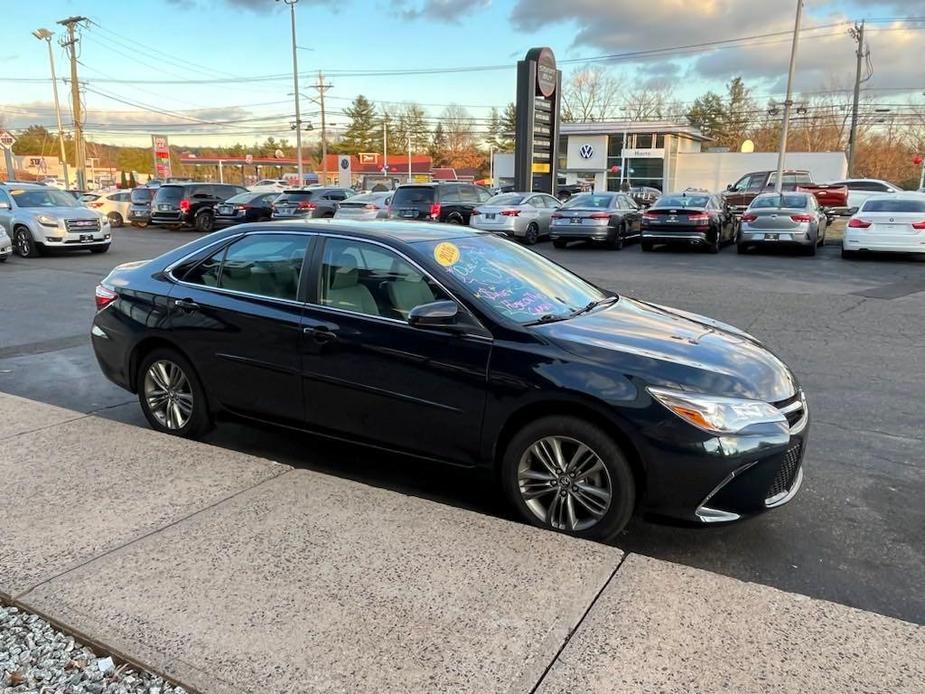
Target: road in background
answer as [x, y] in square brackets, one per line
[851, 330]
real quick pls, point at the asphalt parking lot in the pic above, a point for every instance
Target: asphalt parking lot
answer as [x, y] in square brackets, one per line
[852, 330]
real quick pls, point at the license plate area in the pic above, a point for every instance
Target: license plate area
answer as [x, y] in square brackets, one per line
[408, 213]
[576, 220]
[490, 215]
[86, 238]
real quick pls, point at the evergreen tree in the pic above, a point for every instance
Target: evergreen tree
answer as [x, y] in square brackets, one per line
[708, 112]
[508, 128]
[438, 146]
[132, 183]
[364, 132]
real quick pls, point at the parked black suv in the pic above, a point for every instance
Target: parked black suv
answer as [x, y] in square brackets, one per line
[139, 211]
[437, 202]
[305, 203]
[190, 204]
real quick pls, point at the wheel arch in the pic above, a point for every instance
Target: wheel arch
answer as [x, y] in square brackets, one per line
[143, 348]
[518, 419]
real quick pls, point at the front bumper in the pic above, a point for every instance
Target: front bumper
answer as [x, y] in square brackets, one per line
[6, 247]
[169, 218]
[725, 478]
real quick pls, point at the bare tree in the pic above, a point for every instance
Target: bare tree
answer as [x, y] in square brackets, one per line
[651, 103]
[591, 93]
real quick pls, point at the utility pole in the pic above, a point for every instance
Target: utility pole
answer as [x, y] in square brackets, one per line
[321, 88]
[45, 35]
[789, 102]
[385, 144]
[409, 155]
[295, 85]
[857, 33]
[71, 44]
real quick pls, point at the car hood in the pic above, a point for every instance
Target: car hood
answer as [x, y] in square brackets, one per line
[65, 212]
[673, 348]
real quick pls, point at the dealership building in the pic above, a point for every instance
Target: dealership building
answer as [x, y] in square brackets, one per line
[664, 155]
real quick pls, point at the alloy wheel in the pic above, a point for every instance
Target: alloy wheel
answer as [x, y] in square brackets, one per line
[564, 483]
[168, 394]
[23, 243]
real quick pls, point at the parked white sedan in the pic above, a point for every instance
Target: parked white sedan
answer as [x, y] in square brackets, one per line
[863, 189]
[892, 223]
[525, 216]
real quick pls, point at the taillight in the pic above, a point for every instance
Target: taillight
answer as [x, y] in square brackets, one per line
[599, 215]
[435, 210]
[699, 218]
[242, 207]
[859, 224]
[749, 217]
[510, 213]
[801, 217]
[306, 205]
[476, 212]
[104, 297]
[370, 206]
[96, 204]
[919, 225]
[184, 206]
[651, 216]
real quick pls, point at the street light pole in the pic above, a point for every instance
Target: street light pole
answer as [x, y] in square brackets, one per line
[295, 85]
[385, 143]
[45, 35]
[789, 102]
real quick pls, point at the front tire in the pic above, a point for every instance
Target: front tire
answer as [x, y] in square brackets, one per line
[24, 243]
[115, 219]
[647, 246]
[171, 396]
[616, 243]
[568, 475]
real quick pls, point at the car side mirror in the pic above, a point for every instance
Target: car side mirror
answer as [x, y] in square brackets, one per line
[852, 211]
[437, 314]
[4, 205]
[729, 186]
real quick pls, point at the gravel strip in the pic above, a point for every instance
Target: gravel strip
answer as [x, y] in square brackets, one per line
[36, 657]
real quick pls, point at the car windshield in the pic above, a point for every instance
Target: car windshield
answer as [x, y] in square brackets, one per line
[143, 195]
[779, 202]
[295, 196]
[589, 200]
[506, 199]
[683, 201]
[169, 194]
[894, 205]
[413, 195]
[48, 197]
[512, 281]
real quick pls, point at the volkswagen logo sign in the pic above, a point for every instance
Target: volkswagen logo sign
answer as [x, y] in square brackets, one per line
[586, 151]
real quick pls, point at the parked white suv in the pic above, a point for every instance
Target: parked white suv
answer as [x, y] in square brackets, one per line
[37, 217]
[6, 245]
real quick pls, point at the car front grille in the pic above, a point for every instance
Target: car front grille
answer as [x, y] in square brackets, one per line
[786, 473]
[82, 226]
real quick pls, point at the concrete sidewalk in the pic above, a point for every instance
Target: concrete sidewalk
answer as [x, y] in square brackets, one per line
[230, 573]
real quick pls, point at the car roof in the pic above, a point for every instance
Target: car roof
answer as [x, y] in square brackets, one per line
[904, 195]
[25, 186]
[394, 230]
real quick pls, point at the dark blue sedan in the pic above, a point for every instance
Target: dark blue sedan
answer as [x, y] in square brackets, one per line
[460, 347]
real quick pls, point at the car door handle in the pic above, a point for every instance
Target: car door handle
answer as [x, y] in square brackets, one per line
[186, 305]
[320, 333]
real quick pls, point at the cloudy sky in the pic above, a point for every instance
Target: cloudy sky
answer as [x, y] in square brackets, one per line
[223, 67]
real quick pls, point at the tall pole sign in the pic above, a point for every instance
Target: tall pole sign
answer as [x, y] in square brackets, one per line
[161, 157]
[536, 142]
[6, 144]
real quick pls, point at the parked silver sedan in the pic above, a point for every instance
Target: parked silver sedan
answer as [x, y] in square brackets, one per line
[783, 219]
[365, 207]
[524, 216]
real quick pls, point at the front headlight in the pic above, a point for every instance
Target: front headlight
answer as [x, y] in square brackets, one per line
[715, 414]
[46, 220]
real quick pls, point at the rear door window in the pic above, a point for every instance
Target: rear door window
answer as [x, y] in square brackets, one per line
[169, 194]
[450, 194]
[468, 194]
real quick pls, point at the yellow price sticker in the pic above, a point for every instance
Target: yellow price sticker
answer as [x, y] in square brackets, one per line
[446, 253]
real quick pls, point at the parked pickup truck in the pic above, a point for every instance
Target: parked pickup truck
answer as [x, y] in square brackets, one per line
[740, 194]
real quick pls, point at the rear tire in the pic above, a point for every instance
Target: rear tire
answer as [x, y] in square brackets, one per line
[164, 373]
[560, 243]
[810, 249]
[616, 243]
[558, 490]
[532, 235]
[205, 222]
[713, 248]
